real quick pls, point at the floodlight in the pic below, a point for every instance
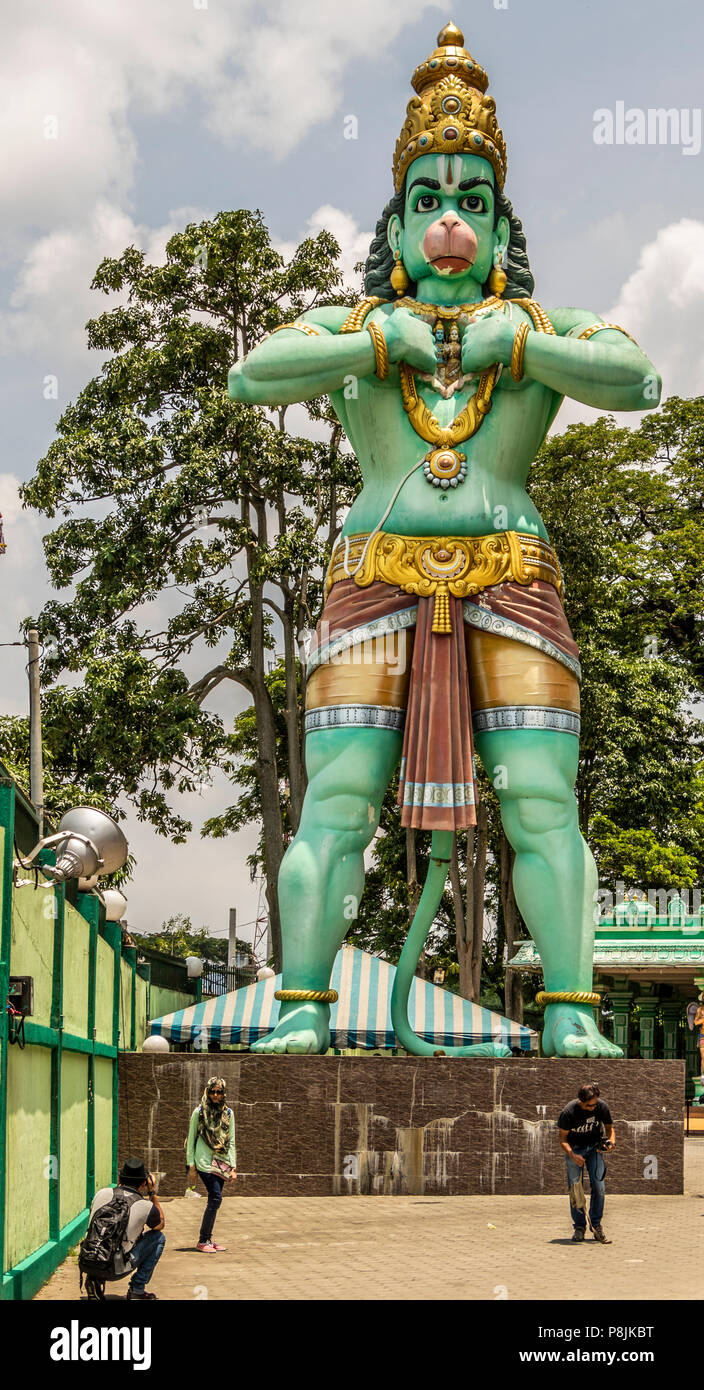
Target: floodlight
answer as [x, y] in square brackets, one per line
[115, 904]
[87, 842]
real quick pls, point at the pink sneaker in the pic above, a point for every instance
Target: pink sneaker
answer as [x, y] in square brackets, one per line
[206, 1247]
[218, 1247]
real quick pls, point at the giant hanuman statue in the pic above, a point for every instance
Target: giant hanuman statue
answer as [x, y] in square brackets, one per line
[444, 578]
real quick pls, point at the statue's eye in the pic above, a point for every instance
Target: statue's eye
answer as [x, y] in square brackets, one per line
[427, 203]
[473, 203]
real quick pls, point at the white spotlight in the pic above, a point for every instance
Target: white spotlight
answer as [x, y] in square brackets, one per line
[87, 842]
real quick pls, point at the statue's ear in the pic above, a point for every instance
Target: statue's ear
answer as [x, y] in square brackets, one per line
[394, 232]
[501, 235]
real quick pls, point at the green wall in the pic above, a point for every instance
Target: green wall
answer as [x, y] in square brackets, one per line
[167, 1001]
[75, 966]
[33, 932]
[58, 1095]
[28, 1152]
[103, 1090]
[104, 992]
[74, 1132]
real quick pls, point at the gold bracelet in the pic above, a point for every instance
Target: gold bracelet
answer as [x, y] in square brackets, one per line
[519, 347]
[567, 996]
[317, 996]
[381, 352]
[597, 327]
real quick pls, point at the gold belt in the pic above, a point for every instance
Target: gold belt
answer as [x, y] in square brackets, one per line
[437, 566]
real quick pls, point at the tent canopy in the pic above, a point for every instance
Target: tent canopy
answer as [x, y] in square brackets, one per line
[360, 1018]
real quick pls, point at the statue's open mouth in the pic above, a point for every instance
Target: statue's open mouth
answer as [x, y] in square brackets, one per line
[454, 265]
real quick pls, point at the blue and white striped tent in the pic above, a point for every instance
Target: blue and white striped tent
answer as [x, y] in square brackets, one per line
[360, 1018]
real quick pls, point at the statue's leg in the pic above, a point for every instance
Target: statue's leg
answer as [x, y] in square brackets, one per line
[554, 874]
[322, 874]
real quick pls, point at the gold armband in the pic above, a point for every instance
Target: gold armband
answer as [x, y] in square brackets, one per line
[567, 996]
[301, 327]
[355, 319]
[519, 347]
[597, 327]
[316, 996]
[381, 352]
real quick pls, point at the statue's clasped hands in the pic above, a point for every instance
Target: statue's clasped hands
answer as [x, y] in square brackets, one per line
[409, 340]
[487, 340]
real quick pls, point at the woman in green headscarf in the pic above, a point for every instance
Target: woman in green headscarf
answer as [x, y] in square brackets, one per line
[210, 1149]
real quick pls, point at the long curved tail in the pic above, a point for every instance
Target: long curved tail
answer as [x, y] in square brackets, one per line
[440, 855]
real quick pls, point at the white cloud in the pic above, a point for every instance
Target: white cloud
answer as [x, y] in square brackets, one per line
[52, 299]
[661, 306]
[74, 76]
[353, 243]
[24, 588]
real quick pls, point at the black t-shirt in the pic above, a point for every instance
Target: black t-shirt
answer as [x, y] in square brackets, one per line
[585, 1127]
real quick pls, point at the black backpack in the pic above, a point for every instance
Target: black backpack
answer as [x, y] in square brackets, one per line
[101, 1256]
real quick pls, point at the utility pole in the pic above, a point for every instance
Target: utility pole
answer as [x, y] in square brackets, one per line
[36, 771]
[232, 939]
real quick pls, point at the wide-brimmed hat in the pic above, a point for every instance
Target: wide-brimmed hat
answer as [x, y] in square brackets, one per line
[133, 1170]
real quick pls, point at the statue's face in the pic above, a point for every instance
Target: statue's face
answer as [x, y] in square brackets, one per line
[448, 230]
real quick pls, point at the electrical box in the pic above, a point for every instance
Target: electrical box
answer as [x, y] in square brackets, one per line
[21, 994]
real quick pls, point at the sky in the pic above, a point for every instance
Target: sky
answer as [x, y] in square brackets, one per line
[124, 120]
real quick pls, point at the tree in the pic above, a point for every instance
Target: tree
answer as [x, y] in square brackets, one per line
[207, 526]
[179, 937]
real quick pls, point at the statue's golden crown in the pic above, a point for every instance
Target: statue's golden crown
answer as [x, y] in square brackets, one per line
[450, 114]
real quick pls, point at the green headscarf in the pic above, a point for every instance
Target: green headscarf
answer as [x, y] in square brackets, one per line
[214, 1118]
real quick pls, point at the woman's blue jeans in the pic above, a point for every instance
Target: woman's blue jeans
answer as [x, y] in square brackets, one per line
[213, 1186]
[596, 1168]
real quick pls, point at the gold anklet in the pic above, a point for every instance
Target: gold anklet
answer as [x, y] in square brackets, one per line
[566, 996]
[317, 996]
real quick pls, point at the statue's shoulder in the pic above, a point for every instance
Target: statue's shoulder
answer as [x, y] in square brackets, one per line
[329, 317]
[345, 320]
[579, 323]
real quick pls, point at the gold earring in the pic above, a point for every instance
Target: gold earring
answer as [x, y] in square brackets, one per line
[399, 275]
[498, 279]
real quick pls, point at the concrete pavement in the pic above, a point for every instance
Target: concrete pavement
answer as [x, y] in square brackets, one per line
[473, 1248]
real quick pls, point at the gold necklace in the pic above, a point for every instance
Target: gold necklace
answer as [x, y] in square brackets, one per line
[453, 311]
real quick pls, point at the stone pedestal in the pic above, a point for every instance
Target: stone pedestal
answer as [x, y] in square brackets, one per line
[347, 1126]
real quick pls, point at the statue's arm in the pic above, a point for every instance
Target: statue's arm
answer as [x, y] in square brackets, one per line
[606, 369]
[291, 365]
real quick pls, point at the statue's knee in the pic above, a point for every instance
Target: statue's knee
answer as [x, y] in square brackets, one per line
[531, 817]
[350, 815]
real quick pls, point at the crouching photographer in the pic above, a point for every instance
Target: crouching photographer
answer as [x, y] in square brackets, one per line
[125, 1234]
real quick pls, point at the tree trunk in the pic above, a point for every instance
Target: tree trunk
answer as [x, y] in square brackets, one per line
[461, 916]
[414, 889]
[513, 993]
[475, 906]
[267, 770]
[296, 774]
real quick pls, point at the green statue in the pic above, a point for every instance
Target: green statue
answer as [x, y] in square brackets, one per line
[443, 626]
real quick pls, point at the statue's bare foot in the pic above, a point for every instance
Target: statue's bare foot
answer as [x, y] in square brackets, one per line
[301, 1028]
[570, 1031]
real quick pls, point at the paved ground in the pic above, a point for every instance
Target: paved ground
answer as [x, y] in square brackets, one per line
[324, 1248]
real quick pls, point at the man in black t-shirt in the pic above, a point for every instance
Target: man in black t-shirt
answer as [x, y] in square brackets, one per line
[585, 1127]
